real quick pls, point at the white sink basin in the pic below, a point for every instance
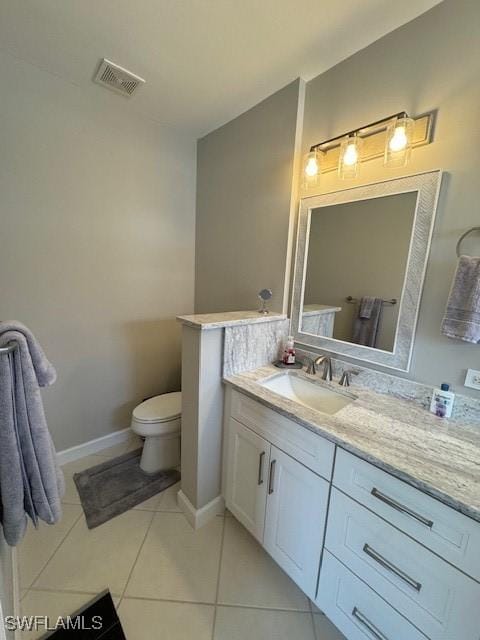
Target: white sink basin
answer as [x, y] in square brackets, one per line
[310, 394]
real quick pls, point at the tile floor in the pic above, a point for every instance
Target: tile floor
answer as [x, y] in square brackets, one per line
[167, 580]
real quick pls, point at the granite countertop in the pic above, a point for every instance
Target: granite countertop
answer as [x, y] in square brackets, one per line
[318, 309]
[435, 455]
[205, 321]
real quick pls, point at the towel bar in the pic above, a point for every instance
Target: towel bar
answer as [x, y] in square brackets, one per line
[352, 300]
[463, 236]
[11, 346]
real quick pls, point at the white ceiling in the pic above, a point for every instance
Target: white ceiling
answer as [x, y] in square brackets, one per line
[205, 61]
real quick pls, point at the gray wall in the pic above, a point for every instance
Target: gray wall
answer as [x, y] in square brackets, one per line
[244, 184]
[431, 63]
[360, 249]
[97, 245]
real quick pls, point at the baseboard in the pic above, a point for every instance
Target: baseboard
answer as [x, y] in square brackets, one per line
[93, 446]
[198, 517]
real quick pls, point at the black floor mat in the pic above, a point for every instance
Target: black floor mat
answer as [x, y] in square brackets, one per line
[98, 620]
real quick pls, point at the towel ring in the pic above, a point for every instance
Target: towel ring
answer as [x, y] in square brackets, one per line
[463, 236]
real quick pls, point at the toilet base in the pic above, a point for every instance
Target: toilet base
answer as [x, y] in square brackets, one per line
[160, 453]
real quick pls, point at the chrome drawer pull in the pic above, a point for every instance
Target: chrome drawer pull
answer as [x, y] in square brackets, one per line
[272, 476]
[400, 507]
[260, 468]
[376, 633]
[391, 567]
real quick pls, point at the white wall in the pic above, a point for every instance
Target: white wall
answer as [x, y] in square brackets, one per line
[97, 245]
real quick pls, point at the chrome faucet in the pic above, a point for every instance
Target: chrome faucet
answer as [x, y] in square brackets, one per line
[327, 367]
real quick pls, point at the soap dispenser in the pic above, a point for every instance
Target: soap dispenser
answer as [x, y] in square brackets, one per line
[289, 351]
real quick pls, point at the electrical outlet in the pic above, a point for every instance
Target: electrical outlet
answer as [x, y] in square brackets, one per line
[472, 379]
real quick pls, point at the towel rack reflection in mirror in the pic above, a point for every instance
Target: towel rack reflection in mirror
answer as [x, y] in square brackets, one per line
[351, 300]
[463, 236]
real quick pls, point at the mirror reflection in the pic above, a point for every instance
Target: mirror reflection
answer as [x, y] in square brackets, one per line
[357, 259]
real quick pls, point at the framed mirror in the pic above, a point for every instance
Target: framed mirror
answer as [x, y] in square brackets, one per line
[359, 268]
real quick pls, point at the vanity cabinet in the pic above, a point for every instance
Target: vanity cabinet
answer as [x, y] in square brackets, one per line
[296, 511]
[391, 562]
[246, 488]
[277, 498]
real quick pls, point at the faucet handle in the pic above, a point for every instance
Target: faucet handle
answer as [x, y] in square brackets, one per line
[327, 370]
[311, 370]
[345, 378]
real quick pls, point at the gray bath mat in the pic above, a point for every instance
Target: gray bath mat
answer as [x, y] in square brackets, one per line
[117, 485]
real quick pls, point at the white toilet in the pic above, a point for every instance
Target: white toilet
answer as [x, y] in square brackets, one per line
[158, 420]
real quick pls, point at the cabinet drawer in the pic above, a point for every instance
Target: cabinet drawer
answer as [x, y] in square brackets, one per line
[455, 537]
[355, 609]
[310, 449]
[437, 598]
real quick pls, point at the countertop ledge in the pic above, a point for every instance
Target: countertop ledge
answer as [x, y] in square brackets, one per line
[439, 457]
[205, 321]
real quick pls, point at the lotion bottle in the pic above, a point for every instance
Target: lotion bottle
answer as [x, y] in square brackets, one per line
[442, 401]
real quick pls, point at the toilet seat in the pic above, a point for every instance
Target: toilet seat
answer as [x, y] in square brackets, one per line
[168, 429]
[159, 409]
[158, 420]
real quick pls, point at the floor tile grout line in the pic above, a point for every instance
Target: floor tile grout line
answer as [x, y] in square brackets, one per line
[171, 600]
[136, 557]
[78, 504]
[22, 598]
[166, 600]
[67, 592]
[310, 603]
[56, 549]
[313, 623]
[260, 607]
[217, 590]
[220, 604]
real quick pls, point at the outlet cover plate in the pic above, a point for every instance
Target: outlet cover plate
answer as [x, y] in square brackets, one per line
[472, 379]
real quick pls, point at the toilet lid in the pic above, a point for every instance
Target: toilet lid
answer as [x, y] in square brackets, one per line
[162, 408]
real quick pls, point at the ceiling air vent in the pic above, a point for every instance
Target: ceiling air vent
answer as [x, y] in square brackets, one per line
[117, 78]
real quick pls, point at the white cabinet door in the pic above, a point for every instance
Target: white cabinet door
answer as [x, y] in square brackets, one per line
[295, 521]
[246, 480]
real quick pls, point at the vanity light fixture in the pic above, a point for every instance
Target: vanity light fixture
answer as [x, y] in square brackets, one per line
[349, 161]
[398, 144]
[312, 167]
[391, 138]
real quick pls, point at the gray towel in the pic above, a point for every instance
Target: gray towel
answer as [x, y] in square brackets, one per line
[30, 480]
[366, 307]
[366, 324]
[462, 315]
